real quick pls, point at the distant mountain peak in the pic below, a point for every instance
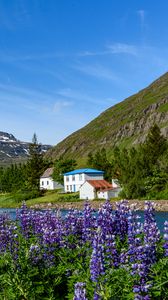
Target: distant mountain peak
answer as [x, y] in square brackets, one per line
[13, 150]
[7, 137]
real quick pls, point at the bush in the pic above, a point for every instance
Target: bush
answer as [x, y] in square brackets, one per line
[71, 197]
[26, 195]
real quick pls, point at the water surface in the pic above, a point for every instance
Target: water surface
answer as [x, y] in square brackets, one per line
[161, 217]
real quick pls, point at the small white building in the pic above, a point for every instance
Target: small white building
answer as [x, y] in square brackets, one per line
[73, 180]
[109, 193]
[92, 189]
[47, 182]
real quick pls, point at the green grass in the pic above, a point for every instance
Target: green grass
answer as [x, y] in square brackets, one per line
[7, 200]
[163, 107]
[110, 122]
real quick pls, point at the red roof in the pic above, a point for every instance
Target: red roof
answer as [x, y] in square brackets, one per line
[47, 173]
[100, 184]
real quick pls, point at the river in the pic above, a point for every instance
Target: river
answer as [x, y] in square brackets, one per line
[161, 217]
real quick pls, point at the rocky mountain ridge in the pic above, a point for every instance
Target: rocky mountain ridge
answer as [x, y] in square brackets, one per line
[126, 123]
[13, 150]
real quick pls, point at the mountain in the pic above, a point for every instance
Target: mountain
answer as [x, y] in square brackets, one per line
[126, 123]
[13, 150]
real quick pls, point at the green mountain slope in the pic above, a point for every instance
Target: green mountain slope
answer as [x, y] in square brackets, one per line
[124, 124]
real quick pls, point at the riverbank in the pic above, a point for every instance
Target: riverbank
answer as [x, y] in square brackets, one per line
[54, 200]
[160, 205]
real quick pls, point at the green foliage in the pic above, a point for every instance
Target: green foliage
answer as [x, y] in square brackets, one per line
[100, 161]
[22, 180]
[33, 282]
[159, 276]
[24, 280]
[71, 197]
[154, 146]
[35, 165]
[52, 271]
[118, 285]
[62, 166]
[143, 172]
[23, 195]
[12, 178]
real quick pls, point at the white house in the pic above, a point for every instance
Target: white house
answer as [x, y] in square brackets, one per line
[92, 189]
[47, 183]
[74, 179]
[108, 193]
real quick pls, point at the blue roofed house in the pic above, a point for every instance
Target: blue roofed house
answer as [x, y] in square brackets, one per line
[74, 179]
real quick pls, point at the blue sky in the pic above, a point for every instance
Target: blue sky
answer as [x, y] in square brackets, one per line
[63, 62]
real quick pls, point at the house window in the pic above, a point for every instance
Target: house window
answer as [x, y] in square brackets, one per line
[42, 183]
[67, 178]
[67, 187]
[80, 177]
[47, 182]
[73, 177]
[70, 188]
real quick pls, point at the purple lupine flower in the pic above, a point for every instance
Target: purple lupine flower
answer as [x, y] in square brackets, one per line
[110, 252]
[4, 237]
[52, 231]
[35, 254]
[8, 236]
[96, 296]
[25, 218]
[80, 291]
[134, 229]
[105, 219]
[151, 234]
[145, 251]
[121, 222]
[97, 257]
[88, 223]
[165, 236]
[71, 223]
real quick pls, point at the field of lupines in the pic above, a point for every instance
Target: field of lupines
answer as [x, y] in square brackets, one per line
[83, 256]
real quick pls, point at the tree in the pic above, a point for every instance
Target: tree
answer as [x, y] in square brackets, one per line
[35, 164]
[62, 166]
[155, 145]
[100, 161]
[143, 171]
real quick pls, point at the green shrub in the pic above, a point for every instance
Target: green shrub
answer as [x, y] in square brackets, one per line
[68, 197]
[26, 195]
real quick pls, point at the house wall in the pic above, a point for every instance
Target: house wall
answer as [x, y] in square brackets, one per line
[103, 195]
[87, 192]
[109, 194]
[114, 193]
[72, 183]
[48, 184]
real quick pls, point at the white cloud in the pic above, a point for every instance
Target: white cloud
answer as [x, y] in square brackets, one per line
[97, 70]
[60, 105]
[92, 53]
[114, 48]
[118, 48]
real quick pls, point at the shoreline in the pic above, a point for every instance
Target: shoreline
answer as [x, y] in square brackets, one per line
[160, 205]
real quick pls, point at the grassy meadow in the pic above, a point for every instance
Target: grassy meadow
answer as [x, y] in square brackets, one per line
[9, 200]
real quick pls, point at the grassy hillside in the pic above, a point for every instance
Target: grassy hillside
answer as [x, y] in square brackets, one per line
[124, 124]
